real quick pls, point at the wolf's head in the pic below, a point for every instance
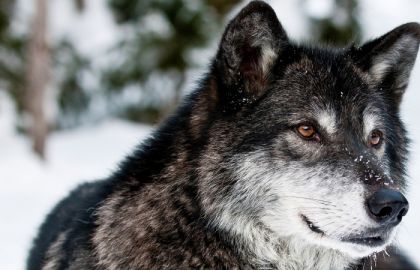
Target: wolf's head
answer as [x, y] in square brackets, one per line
[306, 143]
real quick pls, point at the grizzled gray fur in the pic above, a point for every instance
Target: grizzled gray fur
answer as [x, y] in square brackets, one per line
[285, 157]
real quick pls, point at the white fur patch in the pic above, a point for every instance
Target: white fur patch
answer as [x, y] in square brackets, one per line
[327, 119]
[383, 62]
[264, 39]
[55, 252]
[370, 122]
[267, 58]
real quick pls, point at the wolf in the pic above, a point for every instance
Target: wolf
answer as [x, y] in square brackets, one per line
[286, 156]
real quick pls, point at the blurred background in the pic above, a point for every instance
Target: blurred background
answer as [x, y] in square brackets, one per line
[83, 81]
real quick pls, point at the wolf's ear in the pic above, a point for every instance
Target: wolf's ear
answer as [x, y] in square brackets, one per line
[390, 59]
[249, 48]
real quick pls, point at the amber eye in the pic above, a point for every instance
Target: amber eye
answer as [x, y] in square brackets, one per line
[307, 131]
[375, 138]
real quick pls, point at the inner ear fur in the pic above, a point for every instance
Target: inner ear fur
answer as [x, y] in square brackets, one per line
[250, 45]
[390, 58]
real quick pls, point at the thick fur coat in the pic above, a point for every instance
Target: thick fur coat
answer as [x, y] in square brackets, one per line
[271, 163]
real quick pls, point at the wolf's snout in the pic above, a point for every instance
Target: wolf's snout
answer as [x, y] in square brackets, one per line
[388, 206]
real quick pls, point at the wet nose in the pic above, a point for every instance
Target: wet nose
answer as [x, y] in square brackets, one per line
[388, 206]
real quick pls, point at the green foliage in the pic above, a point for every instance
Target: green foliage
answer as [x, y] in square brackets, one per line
[12, 51]
[69, 69]
[341, 27]
[148, 113]
[6, 9]
[12, 68]
[162, 36]
[80, 4]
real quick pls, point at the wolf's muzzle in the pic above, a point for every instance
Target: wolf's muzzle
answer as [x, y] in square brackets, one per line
[387, 206]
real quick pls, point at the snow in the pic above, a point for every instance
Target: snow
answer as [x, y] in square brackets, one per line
[29, 187]
[319, 9]
[292, 17]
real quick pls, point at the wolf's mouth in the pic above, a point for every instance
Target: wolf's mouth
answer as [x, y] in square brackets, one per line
[311, 225]
[371, 241]
[372, 238]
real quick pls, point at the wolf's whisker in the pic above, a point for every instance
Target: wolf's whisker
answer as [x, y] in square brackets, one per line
[310, 207]
[311, 199]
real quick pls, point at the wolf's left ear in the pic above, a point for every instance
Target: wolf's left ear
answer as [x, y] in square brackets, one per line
[249, 48]
[390, 59]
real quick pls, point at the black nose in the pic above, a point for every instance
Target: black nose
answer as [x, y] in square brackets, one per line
[388, 206]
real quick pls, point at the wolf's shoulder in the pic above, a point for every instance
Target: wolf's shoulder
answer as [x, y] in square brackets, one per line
[72, 216]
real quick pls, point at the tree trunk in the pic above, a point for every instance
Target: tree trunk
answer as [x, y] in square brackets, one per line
[37, 78]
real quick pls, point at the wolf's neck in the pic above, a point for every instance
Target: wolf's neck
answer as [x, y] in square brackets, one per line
[261, 249]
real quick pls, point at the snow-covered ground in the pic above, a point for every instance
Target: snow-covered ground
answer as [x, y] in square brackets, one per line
[29, 188]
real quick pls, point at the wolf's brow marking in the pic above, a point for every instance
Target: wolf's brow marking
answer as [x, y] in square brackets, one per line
[369, 121]
[327, 120]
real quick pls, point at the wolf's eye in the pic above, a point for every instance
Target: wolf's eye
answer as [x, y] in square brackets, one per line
[375, 138]
[307, 132]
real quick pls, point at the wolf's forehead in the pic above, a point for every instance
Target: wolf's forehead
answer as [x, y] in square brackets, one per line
[330, 91]
[326, 76]
[328, 63]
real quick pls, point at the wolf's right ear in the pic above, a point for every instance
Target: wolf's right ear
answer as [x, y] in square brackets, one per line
[251, 44]
[390, 58]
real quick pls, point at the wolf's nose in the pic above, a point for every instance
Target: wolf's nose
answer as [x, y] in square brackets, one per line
[388, 206]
